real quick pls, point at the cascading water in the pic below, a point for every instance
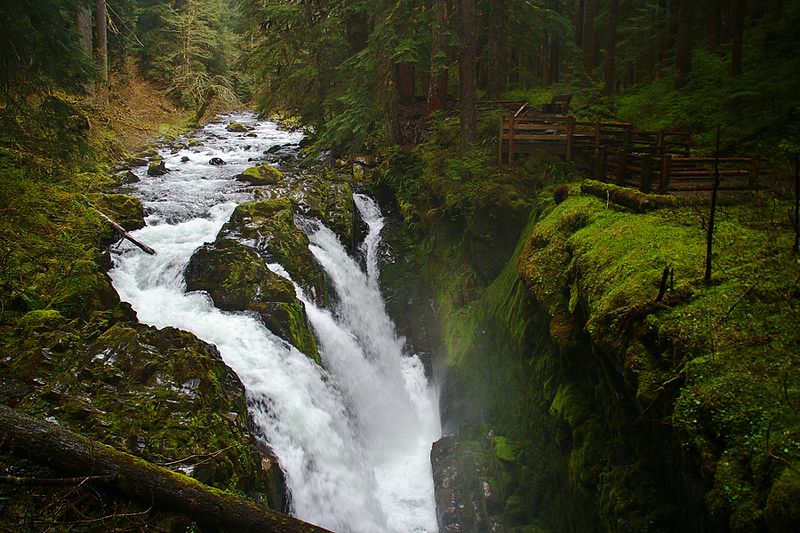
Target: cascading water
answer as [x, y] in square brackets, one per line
[353, 438]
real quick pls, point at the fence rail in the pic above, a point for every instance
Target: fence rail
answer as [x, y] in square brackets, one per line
[653, 161]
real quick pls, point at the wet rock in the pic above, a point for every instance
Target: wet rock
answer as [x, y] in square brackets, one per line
[252, 134]
[127, 177]
[194, 143]
[185, 159]
[262, 174]
[469, 485]
[274, 149]
[127, 211]
[217, 161]
[269, 225]
[323, 198]
[137, 162]
[159, 394]
[148, 153]
[237, 127]
[157, 168]
[237, 279]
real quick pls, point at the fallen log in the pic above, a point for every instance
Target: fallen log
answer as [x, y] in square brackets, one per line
[630, 198]
[68, 452]
[125, 234]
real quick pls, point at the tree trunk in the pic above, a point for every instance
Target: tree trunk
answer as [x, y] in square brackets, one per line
[101, 14]
[496, 50]
[611, 46]
[466, 73]
[683, 56]
[73, 454]
[406, 83]
[588, 38]
[738, 8]
[84, 20]
[437, 84]
[714, 25]
[579, 24]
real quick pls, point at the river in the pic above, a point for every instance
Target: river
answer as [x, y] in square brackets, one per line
[353, 436]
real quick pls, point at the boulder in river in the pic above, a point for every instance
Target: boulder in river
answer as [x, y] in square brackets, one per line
[185, 159]
[157, 168]
[269, 224]
[237, 127]
[127, 177]
[161, 394]
[237, 279]
[217, 161]
[261, 174]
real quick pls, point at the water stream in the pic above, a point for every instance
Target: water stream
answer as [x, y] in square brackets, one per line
[353, 437]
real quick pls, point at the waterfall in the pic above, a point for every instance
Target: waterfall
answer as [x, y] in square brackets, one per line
[353, 436]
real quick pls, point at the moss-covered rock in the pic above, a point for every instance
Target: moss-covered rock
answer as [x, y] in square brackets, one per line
[261, 174]
[157, 167]
[269, 225]
[328, 200]
[163, 395]
[237, 279]
[125, 210]
[237, 127]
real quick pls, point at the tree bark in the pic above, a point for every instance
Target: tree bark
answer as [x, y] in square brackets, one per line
[579, 24]
[68, 452]
[84, 21]
[406, 82]
[683, 55]
[714, 25]
[588, 35]
[101, 14]
[496, 50]
[437, 84]
[466, 73]
[737, 12]
[611, 46]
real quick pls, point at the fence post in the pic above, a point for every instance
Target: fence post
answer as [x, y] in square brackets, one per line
[660, 142]
[512, 125]
[647, 173]
[500, 143]
[621, 164]
[570, 131]
[597, 127]
[600, 164]
[666, 169]
[754, 173]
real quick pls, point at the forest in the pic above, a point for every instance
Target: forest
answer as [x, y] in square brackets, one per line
[591, 240]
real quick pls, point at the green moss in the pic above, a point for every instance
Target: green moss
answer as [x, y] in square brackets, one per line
[262, 174]
[504, 449]
[270, 225]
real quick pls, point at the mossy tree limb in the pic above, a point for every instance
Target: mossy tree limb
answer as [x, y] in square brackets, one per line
[74, 454]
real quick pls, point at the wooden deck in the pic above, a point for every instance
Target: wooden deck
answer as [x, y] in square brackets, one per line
[618, 152]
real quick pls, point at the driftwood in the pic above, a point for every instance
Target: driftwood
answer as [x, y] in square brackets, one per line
[70, 453]
[125, 234]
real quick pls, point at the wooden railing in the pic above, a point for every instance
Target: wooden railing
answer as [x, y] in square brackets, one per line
[653, 161]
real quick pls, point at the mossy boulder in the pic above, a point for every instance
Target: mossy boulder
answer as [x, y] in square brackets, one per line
[163, 395]
[269, 225]
[237, 127]
[261, 174]
[331, 201]
[237, 279]
[157, 167]
[127, 211]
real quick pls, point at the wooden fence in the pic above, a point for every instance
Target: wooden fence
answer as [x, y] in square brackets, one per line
[653, 161]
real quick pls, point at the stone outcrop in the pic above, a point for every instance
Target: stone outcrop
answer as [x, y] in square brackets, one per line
[237, 279]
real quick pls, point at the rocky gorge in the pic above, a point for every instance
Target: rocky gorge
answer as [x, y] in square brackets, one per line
[572, 397]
